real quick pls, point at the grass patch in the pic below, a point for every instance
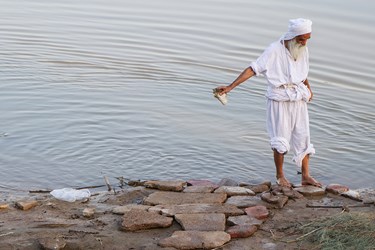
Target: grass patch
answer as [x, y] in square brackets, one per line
[342, 231]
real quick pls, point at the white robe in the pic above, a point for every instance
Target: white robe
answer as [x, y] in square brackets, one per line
[287, 114]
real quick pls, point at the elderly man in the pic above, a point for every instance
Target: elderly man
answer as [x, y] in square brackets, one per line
[285, 65]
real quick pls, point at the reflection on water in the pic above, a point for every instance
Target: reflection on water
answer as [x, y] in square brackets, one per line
[123, 88]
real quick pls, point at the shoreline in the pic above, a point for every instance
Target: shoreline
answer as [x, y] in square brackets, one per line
[121, 219]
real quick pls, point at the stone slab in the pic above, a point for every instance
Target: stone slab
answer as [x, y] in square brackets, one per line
[258, 212]
[244, 220]
[228, 182]
[198, 189]
[336, 188]
[175, 198]
[172, 210]
[176, 186]
[310, 190]
[136, 219]
[201, 222]
[123, 209]
[279, 200]
[244, 201]
[234, 191]
[351, 194]
[26, 205]
[207, 183]
[243, 231]
[195, 240]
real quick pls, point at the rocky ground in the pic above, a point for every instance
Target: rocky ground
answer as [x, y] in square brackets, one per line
[196, 214]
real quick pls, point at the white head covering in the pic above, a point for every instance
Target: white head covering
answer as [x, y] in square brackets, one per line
[297, 27]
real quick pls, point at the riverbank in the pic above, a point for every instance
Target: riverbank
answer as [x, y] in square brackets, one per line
[165, 214]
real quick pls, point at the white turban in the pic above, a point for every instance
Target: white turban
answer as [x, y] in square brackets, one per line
[297, 27]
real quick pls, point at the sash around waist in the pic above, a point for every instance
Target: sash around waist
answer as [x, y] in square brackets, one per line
[289, 92]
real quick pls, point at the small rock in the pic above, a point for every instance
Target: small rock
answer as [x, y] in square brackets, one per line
[26, 205]
[228, 182]
[206, 183]
[351, 194]
[52, 243]
[88, 212]
[4, 206]
[198, 189]
[234, 191]
[244, 220]
[139, 220]
[310, 190]
[201, 222]
[258, 188]
[241, 231]
[336, 188]
[195, 240]
[258, 212]
[176, 186]
[291, 193]
[123, 209]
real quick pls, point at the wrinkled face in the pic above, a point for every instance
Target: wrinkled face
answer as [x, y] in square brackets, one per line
[302, 39]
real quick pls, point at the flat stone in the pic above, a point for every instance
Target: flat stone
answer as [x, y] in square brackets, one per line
[26, 205]
[336, 188]
[310, 190]
[176, 186]
[172, 210]
[367, 195]
[202, 183]
[88, 212]
[123, 209]
[195, 240]
[174, 198]
[244, 201]
[234, 191]
[52, 243]
[244, 220]
[201, 222]
[351, 194]
[243, 231]
[258, 188]
[291, 193]
[258, 212]
[279, 200]
[139, 220]
[228, 182]
[198, 189]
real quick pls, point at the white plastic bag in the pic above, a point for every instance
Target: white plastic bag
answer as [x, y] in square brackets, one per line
[70, 194]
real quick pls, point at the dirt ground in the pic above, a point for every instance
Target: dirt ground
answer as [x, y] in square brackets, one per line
[53, 218]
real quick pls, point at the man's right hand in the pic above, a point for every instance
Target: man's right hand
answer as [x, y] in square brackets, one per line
[223, 90]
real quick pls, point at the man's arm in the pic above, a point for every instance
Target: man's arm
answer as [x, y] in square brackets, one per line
[306, 82]
[245, 75]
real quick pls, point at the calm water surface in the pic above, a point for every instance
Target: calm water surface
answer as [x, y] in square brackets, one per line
[123, 88]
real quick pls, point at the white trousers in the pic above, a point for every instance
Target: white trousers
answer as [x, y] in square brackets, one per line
[288, 128]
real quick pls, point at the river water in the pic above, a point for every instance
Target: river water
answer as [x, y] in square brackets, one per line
[123, 88]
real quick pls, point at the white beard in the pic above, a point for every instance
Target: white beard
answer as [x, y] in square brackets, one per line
[295, 48]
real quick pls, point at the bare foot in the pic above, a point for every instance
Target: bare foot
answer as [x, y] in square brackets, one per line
[283, 182]
[310, 181]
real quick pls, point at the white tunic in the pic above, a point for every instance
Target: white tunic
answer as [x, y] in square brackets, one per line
[287, 115]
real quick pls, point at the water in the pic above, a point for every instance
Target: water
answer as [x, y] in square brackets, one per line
[123, 88]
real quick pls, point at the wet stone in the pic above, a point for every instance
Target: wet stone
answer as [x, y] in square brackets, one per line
[258, 212]
[278, 200]
[123, 209]
[201, 222]
[310, 190]
[234, 191]
[228, 182]
[336, 188]
[291, 193]
[172, 210]
[198, 189]
[244, 201]
[241, 231]
[139, 220]
[351, 194]
[88, 212]
[195, 240]
[206, 183]
[258, 188]
[176, 186]
[174, 198]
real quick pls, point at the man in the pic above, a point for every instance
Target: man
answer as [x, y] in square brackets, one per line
[285, 65]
